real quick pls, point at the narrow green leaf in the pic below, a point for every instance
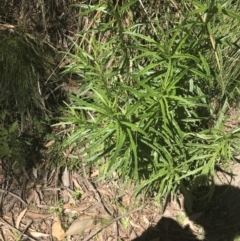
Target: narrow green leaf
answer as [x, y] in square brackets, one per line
[141, 36]
[13, 127]
[134, 127]
[196, 3]
[191, 173]
[120, 141]
[198, 10]
[135, 155]
[127, 5]
[231, 14]
[4, 150]
[205, 64]
[188, 197]
[221, 117]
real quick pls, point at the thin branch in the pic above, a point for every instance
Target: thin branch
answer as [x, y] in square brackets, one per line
[111, 222]
[13, 228]
[14, 195]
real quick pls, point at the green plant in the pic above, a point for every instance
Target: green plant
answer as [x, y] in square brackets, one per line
[58, 209]
[23, 62]
[18, 235]
[77, 194]
[13, 147]
[5, 138]
[147, 96]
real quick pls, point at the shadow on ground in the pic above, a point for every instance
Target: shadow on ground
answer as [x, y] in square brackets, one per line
[220, 219]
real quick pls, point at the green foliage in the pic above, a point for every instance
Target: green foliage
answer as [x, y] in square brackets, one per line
[146, 99]
[5, 137]
[13, 147]
[22, 63]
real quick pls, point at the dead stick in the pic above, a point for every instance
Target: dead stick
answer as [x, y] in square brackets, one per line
[14, 195]
[13, 228]
[111, 222]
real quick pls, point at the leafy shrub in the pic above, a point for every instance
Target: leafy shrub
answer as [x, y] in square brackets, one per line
[23, 63]
[13, 147]
[4, 140]
[145, 109]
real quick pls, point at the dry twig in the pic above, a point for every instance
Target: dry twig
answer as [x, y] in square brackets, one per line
[14, 195]
[13, 228]
[111, 222]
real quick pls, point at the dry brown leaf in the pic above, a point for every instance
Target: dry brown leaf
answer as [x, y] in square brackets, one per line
[8, 233]
[77, 209]
[33, 215]
[38, 235]
[181, 202]
[65, 195]
[87, 194]
[49, 143]
[30, 196]
[66, 178]
[94, 174]
[80, 226]
[104, 191]
[19, 218]
[35, 172]
[76, 184]
[126, 200]
[39, 191]
[70, 212]
[36, 197]
[7, 218]
[57, 229]
[145, 219]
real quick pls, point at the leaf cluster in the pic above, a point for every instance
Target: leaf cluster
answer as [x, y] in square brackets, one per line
[145, 103]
